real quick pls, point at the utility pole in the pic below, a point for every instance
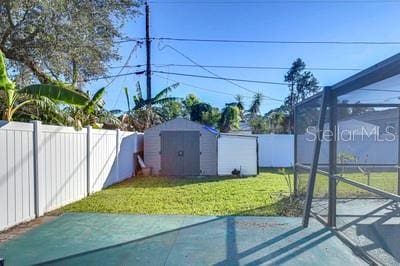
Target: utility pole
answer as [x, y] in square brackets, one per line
[148, 52]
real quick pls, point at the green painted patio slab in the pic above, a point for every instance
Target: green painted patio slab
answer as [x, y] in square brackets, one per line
[113, 239]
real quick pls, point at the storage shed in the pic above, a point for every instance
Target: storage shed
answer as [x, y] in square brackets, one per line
[237, 152]
[181, 147]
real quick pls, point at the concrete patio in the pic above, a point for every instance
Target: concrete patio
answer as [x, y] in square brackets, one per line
[111, 239]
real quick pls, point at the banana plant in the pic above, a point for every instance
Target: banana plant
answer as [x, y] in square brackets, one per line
[92, 113]
[160, 98]
[16, 98]
[145, 113]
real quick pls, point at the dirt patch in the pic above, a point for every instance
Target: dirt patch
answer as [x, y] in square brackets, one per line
[23, 228]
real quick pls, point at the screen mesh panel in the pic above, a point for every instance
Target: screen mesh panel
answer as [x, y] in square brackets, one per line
[362, 158]
[367, 153]
[306, 122]
[383, 92]
[368, 145]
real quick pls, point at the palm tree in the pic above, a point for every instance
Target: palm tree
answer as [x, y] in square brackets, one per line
[230, 118]
[146, 113]
[239, 102]
[14, 99]
[254, 109]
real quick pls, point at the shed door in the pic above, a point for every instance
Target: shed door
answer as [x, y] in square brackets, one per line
[180, 152]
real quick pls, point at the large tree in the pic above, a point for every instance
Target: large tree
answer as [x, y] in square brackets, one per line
[70, 40]
[302, 84]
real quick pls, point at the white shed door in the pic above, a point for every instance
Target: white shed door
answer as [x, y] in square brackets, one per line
[237, 152]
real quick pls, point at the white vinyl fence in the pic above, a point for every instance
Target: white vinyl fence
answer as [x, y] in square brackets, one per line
[45, 167]
[275, 150]
[376, 149]
[278, 150]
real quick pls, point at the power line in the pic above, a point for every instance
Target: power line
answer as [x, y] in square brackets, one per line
[223, 78]
[216, 76]
[263, 41]
[119, 94]
[269, 67]
[124, 66]
[205, 69]
[189, 75]
[114, 76]
[197, 87]
[277, 41]
[245, 67]
[277, 2]
[209, 90]
[139, 41]
[259, 67]
[129, 66]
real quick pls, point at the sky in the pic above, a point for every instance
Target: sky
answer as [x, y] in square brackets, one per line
[281, 20]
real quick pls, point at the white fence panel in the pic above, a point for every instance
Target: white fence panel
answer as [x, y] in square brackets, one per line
[103, 153]
[275, 150]
[128, 148]
[16, 173]
[381, 149]
[44, 167]
[62, 166]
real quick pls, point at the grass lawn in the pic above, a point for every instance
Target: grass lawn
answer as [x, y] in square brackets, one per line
[384, 180]
[265, 194]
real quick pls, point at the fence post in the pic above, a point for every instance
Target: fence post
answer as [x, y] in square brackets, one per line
[36, 187]
[88, 159]
[135, 153]
[117, 153]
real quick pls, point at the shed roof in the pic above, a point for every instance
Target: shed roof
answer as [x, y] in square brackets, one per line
[209, 129]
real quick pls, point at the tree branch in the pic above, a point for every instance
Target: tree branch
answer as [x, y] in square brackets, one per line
[8, 31]
[9, 16]
[37, 71]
